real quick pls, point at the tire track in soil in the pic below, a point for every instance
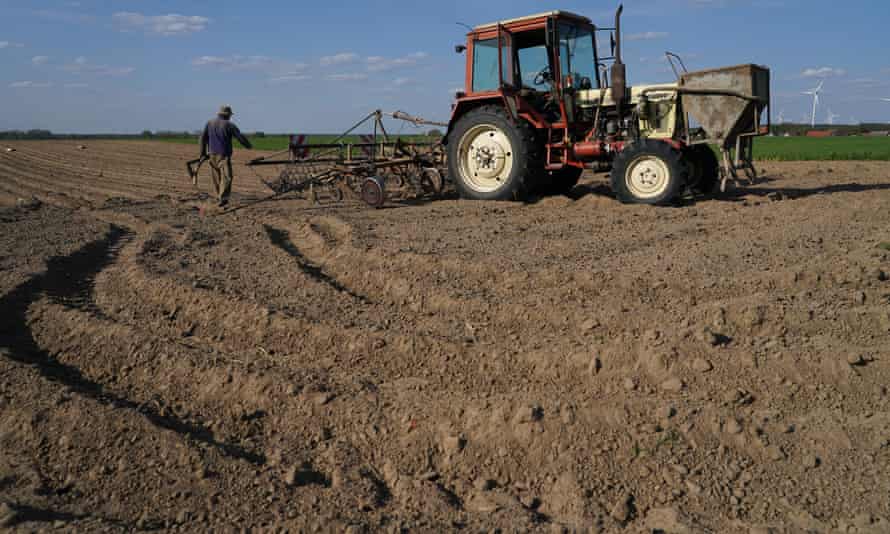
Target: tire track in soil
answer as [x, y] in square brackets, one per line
[69, 280]
[281, 239]
[396, 287]
[25, 514]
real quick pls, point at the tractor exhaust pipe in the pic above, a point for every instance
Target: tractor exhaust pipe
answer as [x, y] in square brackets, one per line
[619, 71]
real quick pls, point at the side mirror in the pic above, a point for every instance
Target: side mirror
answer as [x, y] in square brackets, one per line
[460, 49]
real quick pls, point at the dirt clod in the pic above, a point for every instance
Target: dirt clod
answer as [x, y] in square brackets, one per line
[810, 461]
[8, 515]
[666, 412]
[775, 453]
[702, 365]
[673, 385]
[484, 484]
[732, 426]
[528, 413]
[621, 510]
[856, 360]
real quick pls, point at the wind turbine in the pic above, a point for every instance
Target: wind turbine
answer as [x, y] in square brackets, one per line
[832, 116]
[815, 94]
[782, 117]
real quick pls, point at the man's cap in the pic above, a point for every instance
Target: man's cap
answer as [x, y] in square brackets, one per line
[225, 110]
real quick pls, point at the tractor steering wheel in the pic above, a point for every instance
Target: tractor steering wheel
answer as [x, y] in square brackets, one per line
[543, 77]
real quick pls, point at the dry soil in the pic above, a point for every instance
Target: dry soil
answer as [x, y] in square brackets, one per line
[567, 365]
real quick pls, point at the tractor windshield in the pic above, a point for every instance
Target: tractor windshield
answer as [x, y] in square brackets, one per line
[576, 55]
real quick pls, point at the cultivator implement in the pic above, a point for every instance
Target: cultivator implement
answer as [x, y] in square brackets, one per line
[374, 169]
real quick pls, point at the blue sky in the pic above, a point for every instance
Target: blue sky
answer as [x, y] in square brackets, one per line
[290, 66]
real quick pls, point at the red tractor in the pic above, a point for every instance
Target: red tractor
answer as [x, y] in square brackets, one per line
[541, 104]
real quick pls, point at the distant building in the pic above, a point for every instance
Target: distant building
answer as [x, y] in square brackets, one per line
[821, 133]
[879, 133]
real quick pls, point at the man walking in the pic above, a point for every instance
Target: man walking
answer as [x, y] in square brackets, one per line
[217, 137]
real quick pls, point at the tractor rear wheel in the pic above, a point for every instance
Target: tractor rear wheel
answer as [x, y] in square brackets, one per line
[491, 156]
[704, 169]
[649, 172]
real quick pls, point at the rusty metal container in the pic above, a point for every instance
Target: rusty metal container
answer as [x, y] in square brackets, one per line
[730, 103]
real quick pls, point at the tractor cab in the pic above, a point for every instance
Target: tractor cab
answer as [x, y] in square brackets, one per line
[543, 59]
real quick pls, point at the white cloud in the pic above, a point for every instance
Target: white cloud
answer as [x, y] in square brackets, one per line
[823, 72]
[647, 36]
[381, 64]
[400, 82]
[272, 67]
[230, 63]
[346, 77]
[30, 85]
[39, 60]
[76, 85]
[290, 78]
[9, 44]
[81, 65]
[338, 59]
[166, 25]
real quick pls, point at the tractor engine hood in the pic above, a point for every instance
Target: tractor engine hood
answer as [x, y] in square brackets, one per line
[591, 97]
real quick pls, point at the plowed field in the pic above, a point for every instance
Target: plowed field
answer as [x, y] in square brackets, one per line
[567, 365]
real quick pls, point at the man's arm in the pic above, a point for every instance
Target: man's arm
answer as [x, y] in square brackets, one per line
[240, 137]
[205, 138]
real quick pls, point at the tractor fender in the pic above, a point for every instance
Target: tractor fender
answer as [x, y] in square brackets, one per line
[618, 146]
[468, 103]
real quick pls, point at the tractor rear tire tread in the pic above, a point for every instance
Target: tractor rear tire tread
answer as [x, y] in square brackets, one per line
[528, 154]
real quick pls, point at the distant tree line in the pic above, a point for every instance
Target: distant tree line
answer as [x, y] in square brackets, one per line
[146, 134]
[26, 134]
[838, 129]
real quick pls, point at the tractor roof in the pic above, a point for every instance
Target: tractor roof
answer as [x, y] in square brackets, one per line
[563, 14]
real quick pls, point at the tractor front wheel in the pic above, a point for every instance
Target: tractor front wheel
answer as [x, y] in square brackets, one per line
[491, 156]
[649, 172]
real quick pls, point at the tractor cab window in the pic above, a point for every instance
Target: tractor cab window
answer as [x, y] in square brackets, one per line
[486, 74]
[533, 62]
[576, 55]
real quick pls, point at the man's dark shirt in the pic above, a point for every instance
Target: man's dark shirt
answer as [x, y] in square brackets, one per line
[218, 135]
